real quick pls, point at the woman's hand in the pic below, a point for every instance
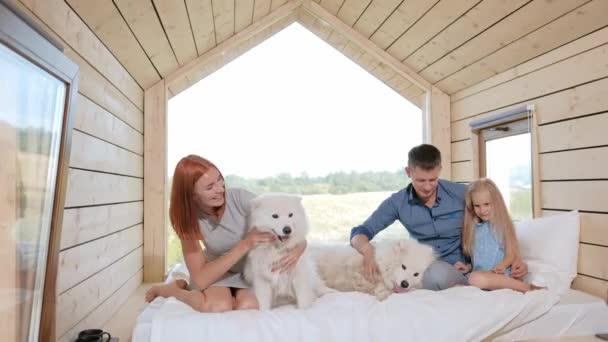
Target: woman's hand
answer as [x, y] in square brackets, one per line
[462, 267]
[254, 237]
[371, 270]
[289, 261]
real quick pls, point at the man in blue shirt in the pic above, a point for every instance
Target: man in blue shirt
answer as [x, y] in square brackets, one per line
[432, 211]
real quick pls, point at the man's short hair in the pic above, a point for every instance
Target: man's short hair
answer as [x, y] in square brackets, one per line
[425, 156]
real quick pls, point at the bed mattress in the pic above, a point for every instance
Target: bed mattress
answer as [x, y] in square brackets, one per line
[576, 314]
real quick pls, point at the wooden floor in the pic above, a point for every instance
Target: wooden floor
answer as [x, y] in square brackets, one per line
[122, 323]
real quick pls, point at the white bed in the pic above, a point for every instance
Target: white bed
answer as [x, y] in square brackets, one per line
[463, 313]
[548, 245]
[576, 314]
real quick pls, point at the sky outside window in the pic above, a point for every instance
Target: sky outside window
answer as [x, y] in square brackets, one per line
[293, 104]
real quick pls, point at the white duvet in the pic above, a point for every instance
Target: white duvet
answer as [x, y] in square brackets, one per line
[457, 314]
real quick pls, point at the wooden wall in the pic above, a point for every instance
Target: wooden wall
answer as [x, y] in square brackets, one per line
[100, 262]
[568, 86]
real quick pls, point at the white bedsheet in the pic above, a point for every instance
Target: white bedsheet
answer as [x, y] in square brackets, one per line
[457, 314]
[576, 314]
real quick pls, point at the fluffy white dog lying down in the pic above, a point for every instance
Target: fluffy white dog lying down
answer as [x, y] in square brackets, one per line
[401, 263]
[283, 215]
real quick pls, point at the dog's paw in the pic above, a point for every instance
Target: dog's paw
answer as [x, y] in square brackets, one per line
[305, 302]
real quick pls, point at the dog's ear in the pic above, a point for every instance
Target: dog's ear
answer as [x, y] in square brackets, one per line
[403, 244]
[255, 203]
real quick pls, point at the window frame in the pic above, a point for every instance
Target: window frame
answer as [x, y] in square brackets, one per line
[19, 34]
[518, 121]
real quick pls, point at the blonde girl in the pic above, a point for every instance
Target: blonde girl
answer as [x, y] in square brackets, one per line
[488, 239]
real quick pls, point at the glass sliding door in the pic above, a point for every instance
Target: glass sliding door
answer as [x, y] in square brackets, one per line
[36, 84]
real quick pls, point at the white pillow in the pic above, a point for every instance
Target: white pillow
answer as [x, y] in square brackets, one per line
[549, 245]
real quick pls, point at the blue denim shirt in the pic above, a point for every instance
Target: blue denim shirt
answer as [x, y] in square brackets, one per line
[439, 226]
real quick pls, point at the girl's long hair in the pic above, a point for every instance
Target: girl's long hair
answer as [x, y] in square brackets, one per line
[500, 220]
[183, 210]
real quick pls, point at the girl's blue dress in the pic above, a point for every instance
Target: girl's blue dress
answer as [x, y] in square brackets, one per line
[488, 251]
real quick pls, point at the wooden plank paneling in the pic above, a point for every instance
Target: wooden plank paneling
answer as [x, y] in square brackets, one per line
[400, 21]
[277, 3]
[462, 151]
[573, 25]
[83, 261]
[416, 96]
[581, 195]
[370, 48]
[578, 164]
[478, 19]
[104, 19]
[223, 15]
[123, 321]
[91, 118]
[93, 188]
[375, 14]
[337, 40]
[582, 44]
[155, 171]
[462, 172]
[592, 260]
[590, 285]
[104, 312]
[260, 9]
[85, 224]
[176, 23]
[243, 14]
[65, 23]
[383, 72]
[437, 19]
[461, 130]
[528, 18]
[582, 132]
[332, 6]
[90, 153]
[201, 19]
[314, 25]
[580, 69]
[398, 83]
[145, 24]
[578, 101]
[81, 300]
[97, 88]
[582, 100]
[352, 10]
[353, 51]
[437, 120]
[594, 227]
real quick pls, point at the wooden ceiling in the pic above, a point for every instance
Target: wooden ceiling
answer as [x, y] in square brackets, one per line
[452, 44]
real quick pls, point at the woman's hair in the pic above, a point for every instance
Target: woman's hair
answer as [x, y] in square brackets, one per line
[183, 210]
[500, 220]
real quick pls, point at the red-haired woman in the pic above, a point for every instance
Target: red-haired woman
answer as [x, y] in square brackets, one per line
[203, 209]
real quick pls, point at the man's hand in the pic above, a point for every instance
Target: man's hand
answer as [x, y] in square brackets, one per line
[519, 269]
[462, 267]
[371, 271]
[289, 261]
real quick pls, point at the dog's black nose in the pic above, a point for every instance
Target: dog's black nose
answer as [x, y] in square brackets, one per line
[287, 230]
[405, 284]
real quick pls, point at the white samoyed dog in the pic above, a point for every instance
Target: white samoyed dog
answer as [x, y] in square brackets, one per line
[401, 264]
[284, 216]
